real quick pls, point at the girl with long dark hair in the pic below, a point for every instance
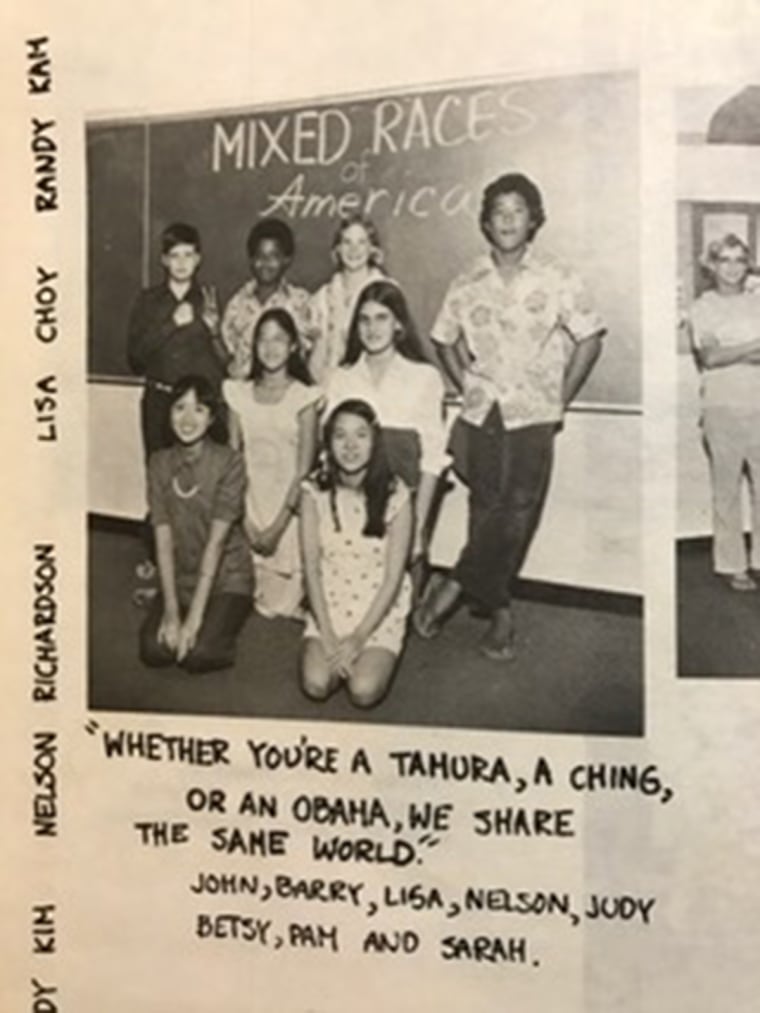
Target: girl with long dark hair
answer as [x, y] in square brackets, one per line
[273, 419]
[385, 366]
[356, 526]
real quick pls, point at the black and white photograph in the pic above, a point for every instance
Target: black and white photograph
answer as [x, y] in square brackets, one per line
[718, 378]
[365, 409]
[383, 537]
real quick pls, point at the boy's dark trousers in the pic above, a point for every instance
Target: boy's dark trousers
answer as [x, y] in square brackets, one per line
[508, 475]
[154, 416]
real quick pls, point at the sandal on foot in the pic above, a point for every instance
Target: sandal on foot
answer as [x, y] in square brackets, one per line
[741, 582]
[146, 570]
[423, 625]
[499, 652]
[143, 596]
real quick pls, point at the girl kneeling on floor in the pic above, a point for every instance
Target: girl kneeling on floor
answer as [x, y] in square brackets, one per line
[356, 529]
[196, 492]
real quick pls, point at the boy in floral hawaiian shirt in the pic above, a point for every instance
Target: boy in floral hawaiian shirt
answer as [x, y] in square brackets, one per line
[518, 335]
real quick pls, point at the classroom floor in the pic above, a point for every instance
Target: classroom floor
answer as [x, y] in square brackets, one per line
[579, 668]
[718, 629]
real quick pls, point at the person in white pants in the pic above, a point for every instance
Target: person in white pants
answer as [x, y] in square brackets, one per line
[725, 326]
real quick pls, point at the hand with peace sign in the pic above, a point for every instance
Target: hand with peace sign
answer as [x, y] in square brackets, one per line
[210, 312]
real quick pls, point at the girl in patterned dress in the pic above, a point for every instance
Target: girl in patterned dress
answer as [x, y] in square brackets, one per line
[385, 366]
[356, 529]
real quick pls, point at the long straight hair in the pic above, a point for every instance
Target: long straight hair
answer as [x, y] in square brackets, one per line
[388, 294]
[379, 480]
[295, 367]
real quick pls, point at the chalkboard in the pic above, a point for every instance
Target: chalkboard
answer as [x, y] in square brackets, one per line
[117, 230]
[417, 162]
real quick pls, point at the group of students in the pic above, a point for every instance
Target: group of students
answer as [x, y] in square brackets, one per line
[294, 442]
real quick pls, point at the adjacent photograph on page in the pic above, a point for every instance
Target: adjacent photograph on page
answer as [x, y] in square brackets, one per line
[719, 381]
[365, 407]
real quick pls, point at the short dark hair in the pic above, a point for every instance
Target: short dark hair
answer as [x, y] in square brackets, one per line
[206, 395]
[272, 228]
[179, 233]
[296, 368]
[513, 182]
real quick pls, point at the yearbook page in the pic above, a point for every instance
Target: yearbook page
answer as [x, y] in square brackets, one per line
[381, 405]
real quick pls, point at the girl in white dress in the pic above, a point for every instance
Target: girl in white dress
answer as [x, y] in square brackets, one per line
[358, 256]
[273, 418]
[356, 529]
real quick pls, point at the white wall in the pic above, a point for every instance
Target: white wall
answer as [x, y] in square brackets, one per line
[719, 172]
[693, 475]
[589, 535]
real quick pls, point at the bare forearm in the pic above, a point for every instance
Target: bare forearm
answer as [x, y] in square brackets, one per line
[424, 500]
[308, 426]
[318, 359]
[397, 552]
[307, 437]
[165, 562]
[715, 356]
[582, 360]
[212, 553]
[317, 599]
[235, 431]
[381, 604]
[279, 524]
[309, 540]
[453, 364]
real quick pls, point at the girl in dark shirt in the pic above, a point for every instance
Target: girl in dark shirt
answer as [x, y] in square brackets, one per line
[196, 492]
